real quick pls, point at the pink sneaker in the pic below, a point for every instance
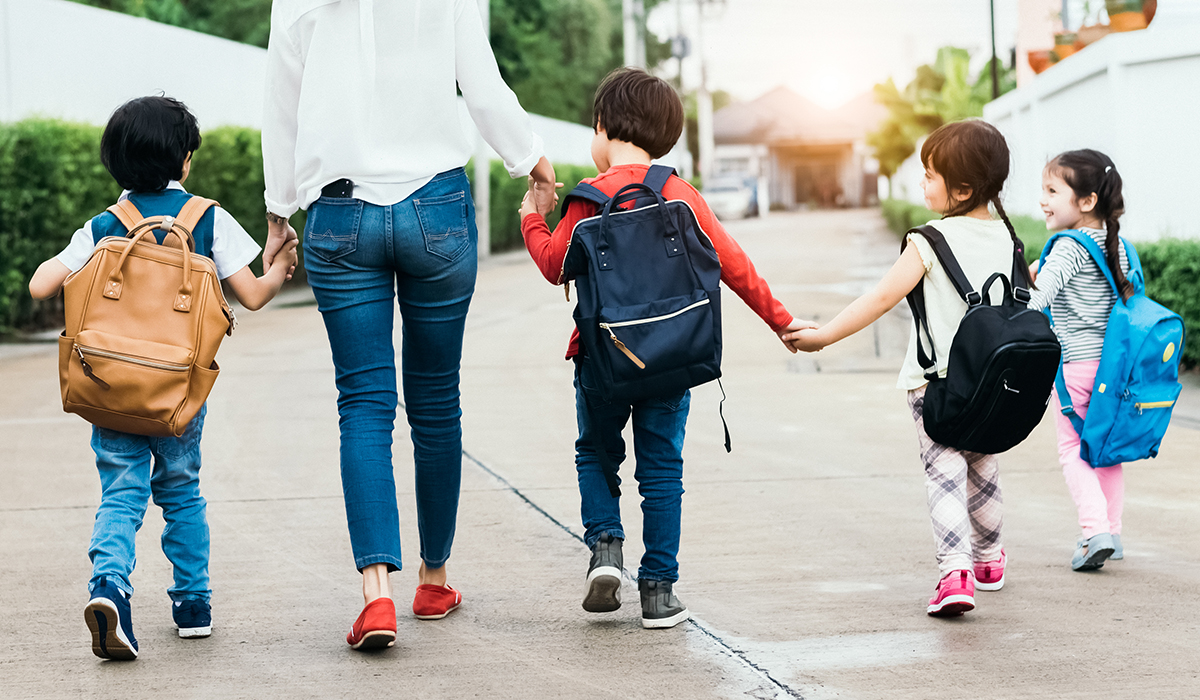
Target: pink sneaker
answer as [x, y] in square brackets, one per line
[955, 595]
[989, 575]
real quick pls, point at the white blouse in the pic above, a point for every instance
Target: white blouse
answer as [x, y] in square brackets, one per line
[366, 90]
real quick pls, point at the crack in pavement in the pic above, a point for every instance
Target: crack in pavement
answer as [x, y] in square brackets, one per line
[723, 645]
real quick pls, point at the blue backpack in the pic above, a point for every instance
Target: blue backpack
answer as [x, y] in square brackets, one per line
[648, 279]
[1137, 382]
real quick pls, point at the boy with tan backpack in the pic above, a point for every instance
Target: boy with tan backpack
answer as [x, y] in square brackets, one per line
[144, 318]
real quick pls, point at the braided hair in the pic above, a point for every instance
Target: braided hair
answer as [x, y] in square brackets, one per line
[971, 155]
[1089, 172]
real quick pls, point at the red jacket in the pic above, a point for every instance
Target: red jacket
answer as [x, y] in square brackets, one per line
[548, 248]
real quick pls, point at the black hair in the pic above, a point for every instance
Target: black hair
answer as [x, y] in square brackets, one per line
[146, 142]
[634, 106]
[1090, 172]
[970, 154]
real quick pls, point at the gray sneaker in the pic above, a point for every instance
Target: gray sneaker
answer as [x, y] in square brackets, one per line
[1118, 551]
[1090, 554]
[660, 608]
[604, 575]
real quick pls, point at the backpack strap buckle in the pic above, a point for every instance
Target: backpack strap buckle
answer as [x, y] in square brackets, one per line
[167, 223]
[973, 298]
[1022, 295]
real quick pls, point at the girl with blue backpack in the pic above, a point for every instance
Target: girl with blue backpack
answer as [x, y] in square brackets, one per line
[1120, 349]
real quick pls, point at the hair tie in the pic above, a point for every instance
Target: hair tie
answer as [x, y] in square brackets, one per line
[1107, 168]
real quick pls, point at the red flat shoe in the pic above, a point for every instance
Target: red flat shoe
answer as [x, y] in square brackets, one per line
[375, 627]
[435, 602]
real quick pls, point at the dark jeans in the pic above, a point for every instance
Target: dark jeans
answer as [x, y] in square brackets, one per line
[360, 258]
[658, 430]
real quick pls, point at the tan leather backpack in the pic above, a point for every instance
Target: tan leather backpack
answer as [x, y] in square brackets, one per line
[143, 324]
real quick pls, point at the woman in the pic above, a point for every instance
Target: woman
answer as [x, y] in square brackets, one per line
[362, 129]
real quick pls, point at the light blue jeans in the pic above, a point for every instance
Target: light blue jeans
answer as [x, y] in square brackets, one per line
[361, 259]
[133, 469]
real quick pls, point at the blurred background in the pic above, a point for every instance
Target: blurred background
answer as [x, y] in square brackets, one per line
[791, 104]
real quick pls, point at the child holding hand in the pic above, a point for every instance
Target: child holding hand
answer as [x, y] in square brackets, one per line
[966, 164]
[147, 146]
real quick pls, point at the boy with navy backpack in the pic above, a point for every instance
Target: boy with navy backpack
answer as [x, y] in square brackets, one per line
[1120, 374]
[646, 254]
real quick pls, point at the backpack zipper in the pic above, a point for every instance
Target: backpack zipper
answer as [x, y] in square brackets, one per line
[639, 321]
[81, 350]
[1153, 404]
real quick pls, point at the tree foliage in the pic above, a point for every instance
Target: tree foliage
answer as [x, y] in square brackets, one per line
[940, 93]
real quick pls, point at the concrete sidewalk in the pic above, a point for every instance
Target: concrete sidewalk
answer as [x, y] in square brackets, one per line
[806, 553]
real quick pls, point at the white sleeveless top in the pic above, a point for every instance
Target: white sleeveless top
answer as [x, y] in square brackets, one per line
[981, 248]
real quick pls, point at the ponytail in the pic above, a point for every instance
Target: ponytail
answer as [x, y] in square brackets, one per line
[1091, 172]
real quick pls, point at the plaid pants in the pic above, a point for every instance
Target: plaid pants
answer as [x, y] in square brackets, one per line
[965, 503]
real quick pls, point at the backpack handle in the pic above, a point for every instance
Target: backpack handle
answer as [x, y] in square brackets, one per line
[116, 279]
[626, 194]
[1008, 289]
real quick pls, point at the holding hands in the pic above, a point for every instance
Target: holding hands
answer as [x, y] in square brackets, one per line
[542, 196]
[793, 329]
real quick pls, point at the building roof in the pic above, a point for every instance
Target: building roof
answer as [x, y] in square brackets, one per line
[783, 118]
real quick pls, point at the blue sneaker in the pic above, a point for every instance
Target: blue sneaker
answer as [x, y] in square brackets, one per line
[108, 617]
[1090, 554]
[193, 618]
[1118, 551]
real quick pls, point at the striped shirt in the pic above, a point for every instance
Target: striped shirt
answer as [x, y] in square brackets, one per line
[1080, 298]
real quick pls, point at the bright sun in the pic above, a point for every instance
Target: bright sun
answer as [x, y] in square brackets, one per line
[829, 89]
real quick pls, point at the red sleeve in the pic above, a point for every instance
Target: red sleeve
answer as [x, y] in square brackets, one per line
[736, 269]
[549, 248]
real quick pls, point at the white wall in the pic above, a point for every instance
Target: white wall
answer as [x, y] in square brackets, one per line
[69, 61]
[1134, 96]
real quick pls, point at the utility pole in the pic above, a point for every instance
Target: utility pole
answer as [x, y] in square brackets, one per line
[634, 16]
[995, 68]
[481, 188]
[704, 110]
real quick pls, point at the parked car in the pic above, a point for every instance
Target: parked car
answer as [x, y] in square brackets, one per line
[732, 196]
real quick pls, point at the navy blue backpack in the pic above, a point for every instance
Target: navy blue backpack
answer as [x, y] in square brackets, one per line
[649, 298]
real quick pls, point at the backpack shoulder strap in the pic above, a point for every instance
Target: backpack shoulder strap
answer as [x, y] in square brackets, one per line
[942, 249]
[1093, 250]
[126, 213]
[657, 176]
[587, 193]
[190, 214]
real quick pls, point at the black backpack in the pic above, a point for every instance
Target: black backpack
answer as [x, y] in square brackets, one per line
[648, 280]
[649, 296]
[1003, 360]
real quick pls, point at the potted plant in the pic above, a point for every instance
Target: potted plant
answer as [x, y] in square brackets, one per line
[1089, 34]
[1127, 15]
[1040, 60]
[1064, 44]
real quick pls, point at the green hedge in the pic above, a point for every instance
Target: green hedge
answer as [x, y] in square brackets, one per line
[1171, 266]
[506, 197]
[51, 182]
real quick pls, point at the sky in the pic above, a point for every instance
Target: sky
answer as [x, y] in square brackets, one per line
[829, 50]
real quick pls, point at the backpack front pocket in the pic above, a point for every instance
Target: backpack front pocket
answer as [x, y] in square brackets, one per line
[128, 377]
[658, 336]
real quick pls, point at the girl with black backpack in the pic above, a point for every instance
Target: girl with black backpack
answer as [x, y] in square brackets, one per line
[966, 164]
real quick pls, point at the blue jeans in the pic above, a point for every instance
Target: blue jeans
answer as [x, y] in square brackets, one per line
[658, 429]
[134, 468]
[360, 258]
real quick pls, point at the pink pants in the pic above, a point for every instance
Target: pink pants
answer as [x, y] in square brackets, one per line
[1099, 494]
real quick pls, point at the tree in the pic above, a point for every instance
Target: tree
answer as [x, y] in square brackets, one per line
[940, 93]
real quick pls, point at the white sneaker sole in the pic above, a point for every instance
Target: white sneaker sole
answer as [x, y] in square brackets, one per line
[195, 632]
[603, 590]
[952, 605]
[108, 639]
[666, 622]
[981, 586]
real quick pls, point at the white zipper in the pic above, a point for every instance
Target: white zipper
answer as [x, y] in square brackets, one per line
[640, 321]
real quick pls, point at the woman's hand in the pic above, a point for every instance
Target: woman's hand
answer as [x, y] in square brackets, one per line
[796, 325]
[543, 187]
[278, 234]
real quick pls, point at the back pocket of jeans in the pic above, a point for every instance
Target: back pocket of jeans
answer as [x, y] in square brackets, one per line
[331, 231]
[444, 224]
